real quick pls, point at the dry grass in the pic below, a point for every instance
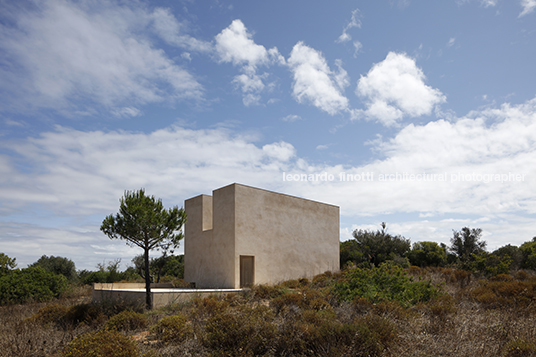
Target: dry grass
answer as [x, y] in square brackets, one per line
[473, 318]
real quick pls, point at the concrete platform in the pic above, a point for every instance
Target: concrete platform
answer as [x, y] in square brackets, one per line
[162, 294]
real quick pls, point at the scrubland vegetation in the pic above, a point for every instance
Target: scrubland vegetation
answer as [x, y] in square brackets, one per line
[384, 311]
[424, 299]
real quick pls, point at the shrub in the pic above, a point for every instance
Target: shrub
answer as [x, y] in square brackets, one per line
[315, 333]
[520, 348]
[495, 294]
[173, 328]
[30, 284]
[463, 277]
[305, 299]
[209, 306]
[105, 343]
[322, 280]
[374, 335]
[126, 321]
[248, 331]
[51, 314]
[522, 275]
[88, 314]
[292, 284]
[268, 291]
[383, 284]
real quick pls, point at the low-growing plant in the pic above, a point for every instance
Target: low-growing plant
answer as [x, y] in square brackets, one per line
[89, 314]
[383, 284]
[374, 335]
[104, 343]
[68, 317]
[53, 314]
[305, 298]
[520, 348]
[500, 293]
[268, 291]
[521, 275]
[126, 321]
[315, 333]
[246, 332]
[209, 306]
[174, 328]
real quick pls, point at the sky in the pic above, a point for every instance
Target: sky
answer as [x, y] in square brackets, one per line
[420, 114]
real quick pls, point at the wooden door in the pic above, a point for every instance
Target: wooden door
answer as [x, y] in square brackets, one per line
[247, 270]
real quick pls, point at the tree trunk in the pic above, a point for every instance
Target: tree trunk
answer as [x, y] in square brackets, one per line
[148, 302]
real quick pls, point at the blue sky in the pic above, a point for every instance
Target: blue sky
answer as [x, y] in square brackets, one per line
[429, 106]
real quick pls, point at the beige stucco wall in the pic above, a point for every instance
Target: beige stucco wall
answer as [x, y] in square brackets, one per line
[289, 237]
[209, 240]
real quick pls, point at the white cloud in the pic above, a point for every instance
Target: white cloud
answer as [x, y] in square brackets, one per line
[126, 112]
[489, 3]
[251, 85]
[451, 42]
[235, 45]
[292, 117]
[528, 7]
[72, 166]
[355, 21]
[395, 88]
[280, 151]
[315, 82]
[81, 175]
[357, 47]
[171, 30]
[78, 56]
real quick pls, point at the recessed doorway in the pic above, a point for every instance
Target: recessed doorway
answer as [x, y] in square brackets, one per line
[247, 271]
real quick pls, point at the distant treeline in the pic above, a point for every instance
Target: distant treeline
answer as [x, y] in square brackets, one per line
[51, 276]
[466, 251]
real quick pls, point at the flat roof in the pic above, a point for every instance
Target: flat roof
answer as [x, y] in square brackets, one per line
[174, 290]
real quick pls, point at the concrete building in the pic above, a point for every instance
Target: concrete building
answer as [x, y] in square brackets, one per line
[243, 235]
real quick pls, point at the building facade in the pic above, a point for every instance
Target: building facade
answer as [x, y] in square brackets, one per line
[241, 236]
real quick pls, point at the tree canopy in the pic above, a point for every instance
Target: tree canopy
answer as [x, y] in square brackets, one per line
[467, 243]
[144, 222]
[427, 254]
[6, 264]
[383, 245]
[57, 265]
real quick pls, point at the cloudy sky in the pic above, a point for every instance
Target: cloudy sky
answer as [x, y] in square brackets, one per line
[421, 114]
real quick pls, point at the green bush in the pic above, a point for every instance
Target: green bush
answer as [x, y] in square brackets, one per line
[173, 329]
[30, 285]
[104, 343]
[383, 284]
[126, 321]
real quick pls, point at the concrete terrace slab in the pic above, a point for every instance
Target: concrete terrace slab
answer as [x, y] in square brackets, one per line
[161, 295]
